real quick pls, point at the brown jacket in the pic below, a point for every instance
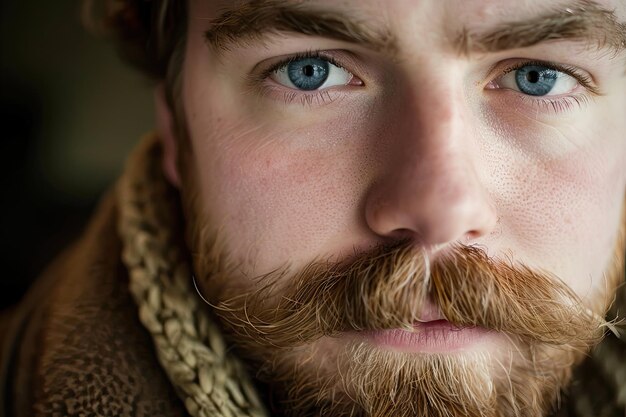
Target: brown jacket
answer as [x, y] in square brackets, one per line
[75, 347]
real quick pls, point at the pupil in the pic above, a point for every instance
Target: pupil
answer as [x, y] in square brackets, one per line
[308, 70]
[533, 77]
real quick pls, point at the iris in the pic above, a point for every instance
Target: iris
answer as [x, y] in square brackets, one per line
[536, 80]
[308, 73]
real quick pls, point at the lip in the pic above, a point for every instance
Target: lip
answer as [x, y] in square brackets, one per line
[434, 336]
[431, 333]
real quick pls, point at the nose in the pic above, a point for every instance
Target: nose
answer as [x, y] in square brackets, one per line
[429, 189]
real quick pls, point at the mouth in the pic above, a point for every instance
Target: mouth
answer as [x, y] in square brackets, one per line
[431, 333]
[434, 336]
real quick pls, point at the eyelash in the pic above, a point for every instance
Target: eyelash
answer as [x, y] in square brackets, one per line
[555, 105]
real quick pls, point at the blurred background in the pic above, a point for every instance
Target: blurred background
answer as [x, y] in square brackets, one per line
[70, 111]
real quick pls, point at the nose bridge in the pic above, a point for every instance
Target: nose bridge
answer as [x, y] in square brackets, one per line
[436, 143]
[430, 188]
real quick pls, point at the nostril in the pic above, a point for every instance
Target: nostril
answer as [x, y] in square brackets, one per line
[403, 234]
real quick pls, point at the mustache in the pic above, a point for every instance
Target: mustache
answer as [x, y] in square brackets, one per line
[387, 288]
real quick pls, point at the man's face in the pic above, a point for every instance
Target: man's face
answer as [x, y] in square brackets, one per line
[415, 129]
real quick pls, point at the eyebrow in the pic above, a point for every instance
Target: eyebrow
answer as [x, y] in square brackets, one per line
[585, 20]
[258, 18]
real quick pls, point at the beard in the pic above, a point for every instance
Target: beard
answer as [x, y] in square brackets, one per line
[299, 332]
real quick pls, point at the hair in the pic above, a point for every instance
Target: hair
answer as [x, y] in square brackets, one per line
[147, 32]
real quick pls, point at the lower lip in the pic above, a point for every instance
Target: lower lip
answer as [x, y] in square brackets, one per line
[435, 336]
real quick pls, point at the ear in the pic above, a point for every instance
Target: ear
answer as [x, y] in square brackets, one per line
[165, 131]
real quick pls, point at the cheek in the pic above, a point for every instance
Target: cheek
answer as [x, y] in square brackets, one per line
[284, 204]
[562, 213]
[282, 195]
[281, 200]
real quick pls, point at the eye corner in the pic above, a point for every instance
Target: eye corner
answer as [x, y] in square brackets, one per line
[491, 85]
[356, 81]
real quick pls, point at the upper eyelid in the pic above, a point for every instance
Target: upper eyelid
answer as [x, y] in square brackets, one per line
[297, 57]
[571, 71]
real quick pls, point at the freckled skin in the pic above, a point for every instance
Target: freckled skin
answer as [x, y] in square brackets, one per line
[425, 154]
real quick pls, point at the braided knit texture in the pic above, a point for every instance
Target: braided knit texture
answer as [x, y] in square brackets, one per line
[189, 345]
[190, 348]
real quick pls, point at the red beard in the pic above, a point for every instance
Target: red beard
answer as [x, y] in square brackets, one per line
[289, 326]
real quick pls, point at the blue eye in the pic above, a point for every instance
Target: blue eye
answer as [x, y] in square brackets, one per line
[536, 80]
[309, 74]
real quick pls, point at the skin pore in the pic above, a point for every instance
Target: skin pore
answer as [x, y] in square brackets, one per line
[425, 138]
